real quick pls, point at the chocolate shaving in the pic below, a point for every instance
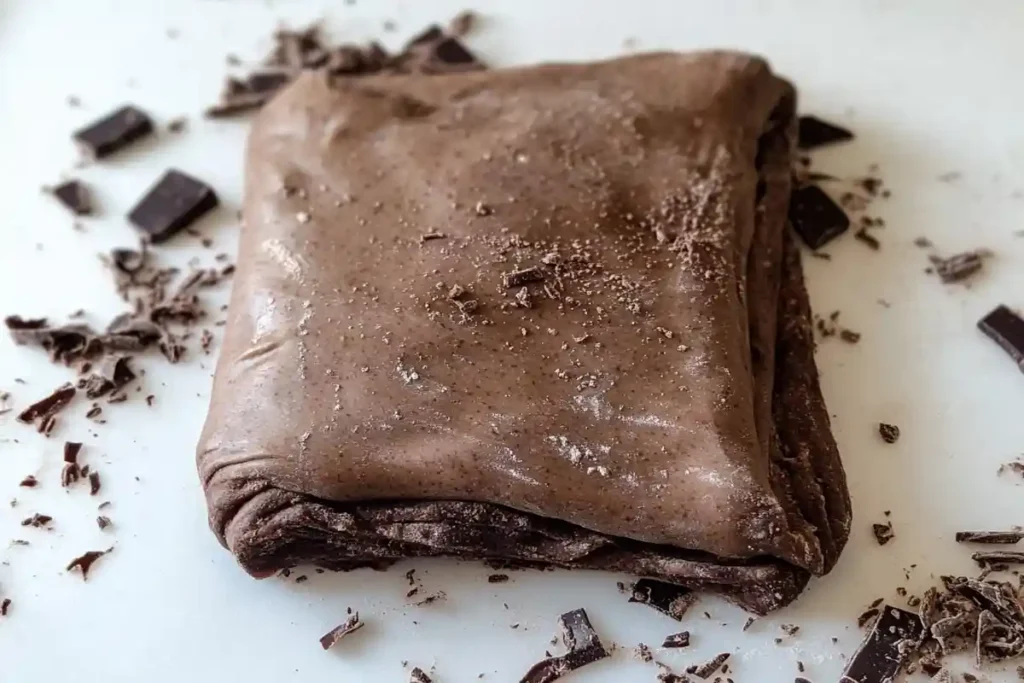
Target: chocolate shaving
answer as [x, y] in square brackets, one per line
[331, 638]
[49, 406]
[69, 474]
[37, 521]
[992, 537]
[681, 639]
[583, 645]
[959, 267]
[85, 561]
[667, 598]
[705, 670]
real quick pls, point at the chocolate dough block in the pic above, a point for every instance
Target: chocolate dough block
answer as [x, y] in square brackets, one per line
[550, 314]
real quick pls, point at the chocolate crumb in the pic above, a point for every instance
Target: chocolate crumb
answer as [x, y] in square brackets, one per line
[867, 238]
[681, 639]
[814, 132]
[48, 407]
[890, 433]
[750, 622]
[29, 482]
[849, 336]
[177, 125]
[1005, 557]
[497, 578]
[993, 537]
[94, 483]
[790, 629]
[431, 599]
[85, 561]
[522, 277]
[418, 676]
[331, 638]
[103, 522]
[667, 598]
[37, 521]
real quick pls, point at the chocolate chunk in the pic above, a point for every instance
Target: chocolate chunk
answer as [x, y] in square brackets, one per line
[849, 336]
[237, 104]
[94, 483]
[681, 639]
[85, 561]
[173, 203]
[71, 451]
[103, 522]
[814, 132]
[74, 195]
[497, 578]
[815, 217]
[584, 647]
[5, 606]
[70, 473]
[960, 266]
[1005, 328]
[417, 675]
[667, 598]
[883, 532]
[331, 638]
[992, 537]
[29, 482]
[896, 635]
[890, 433]
[49, 406]
[705, 670]
[37, 520]
[451, 51]
[114, 132]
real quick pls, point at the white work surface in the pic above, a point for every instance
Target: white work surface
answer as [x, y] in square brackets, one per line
[930, 87]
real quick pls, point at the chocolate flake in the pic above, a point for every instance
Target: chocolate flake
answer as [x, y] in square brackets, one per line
[497, 578]
[70, 474]
[705, 670]
[815, 217]
[883, 532]
[331, 638]
[173, 203]
[85, 561]
[114, 132]
[75, 197]
[29, 482]
[94, 483]
[1005, 328]
[113, 374]
[814, 132]
[667, 598]
[417, 675]
[896, 635]
[49, 406]
[37, 521]
[681, 639]
[71, 451]
[890, 433]
[849, 336]
[102, 521]
[959, 267]
[583, 645]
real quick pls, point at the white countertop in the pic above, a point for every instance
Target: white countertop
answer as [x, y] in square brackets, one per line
[930, 87]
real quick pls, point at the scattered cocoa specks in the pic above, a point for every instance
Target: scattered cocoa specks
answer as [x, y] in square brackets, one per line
[38, 521]
[1015, 466]
[883, 532]
[890, 433]
[676, 640]
[85, 561]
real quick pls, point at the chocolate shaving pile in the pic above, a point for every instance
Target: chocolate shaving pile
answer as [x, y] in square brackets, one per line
[584, 647]
[433, 51]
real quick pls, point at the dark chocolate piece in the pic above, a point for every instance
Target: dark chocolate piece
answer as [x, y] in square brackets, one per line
[115, 372]
[5, 606]
[890, 433]
[681, 639]
[114, 132]
[49, 406]
[103, 521]
[991, 537]
[331, 638]
[74, 195]
[583, 645]
[173, 203]
[94, 483]
[29, 482]
[959, 267]
[667, 598]
[85, 561]
[814, 132]
[451, 51]
[37, 520]
[1005, 328]
[896, 635]
[497, 578]
[705, 670]
[71, 451]
[815, 217]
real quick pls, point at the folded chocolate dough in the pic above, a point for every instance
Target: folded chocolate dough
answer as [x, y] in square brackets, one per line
[548, 315]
